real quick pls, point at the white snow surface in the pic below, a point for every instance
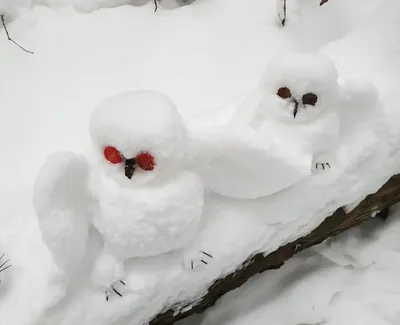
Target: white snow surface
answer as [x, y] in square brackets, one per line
[62, 206]
[239, 163]
[352, 279]
[202, 57]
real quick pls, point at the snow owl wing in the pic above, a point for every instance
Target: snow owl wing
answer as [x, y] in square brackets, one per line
[236, 162]
[62, 204]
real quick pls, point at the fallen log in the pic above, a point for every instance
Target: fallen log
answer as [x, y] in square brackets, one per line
[333, 225]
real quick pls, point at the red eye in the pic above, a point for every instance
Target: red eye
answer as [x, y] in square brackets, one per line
[145, 161]
[112, 155]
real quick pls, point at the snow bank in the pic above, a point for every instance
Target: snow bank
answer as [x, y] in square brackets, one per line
[352, 279]
[9, 8]
[89, 5]
[234, 229]
[92, 5]
[201, 56]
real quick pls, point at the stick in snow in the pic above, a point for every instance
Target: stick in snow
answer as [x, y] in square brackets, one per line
[156, 5]
[8, 35]
[281, 8]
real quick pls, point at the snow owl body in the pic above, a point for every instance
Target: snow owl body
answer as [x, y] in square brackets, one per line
[155, 210]
[149, 220]
[148, 203]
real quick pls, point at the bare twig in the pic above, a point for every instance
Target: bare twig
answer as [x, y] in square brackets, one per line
[156, 4]
[284, 13]
[8, 35]
[281, 14]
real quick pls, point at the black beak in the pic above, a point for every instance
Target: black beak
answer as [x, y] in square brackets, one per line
[130, 167]
[296, 107]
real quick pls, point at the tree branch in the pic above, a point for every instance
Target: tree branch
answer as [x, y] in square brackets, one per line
[337, 223]
[8, 35]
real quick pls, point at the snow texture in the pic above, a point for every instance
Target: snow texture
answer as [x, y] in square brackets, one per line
[92, 5]
[63, 206]
[201, 55]
[9, 8]
[240, 163]
[352, 279]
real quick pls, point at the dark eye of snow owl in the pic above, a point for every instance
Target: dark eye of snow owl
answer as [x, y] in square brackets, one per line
[284, 93]
[310, 99]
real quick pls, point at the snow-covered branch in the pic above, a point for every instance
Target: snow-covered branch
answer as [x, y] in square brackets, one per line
[333, 225]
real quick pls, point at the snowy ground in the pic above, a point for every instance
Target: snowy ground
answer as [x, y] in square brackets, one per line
[202, 56]
[353, 279]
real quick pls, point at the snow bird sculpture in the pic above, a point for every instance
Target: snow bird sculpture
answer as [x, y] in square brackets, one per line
[136, 191]
[305, 106]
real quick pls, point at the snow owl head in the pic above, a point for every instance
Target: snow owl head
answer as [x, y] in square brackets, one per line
[299, 86]
[138, 135]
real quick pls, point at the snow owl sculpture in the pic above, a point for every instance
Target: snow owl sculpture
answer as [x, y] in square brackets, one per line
[279, 135]
[311, 113]
[143, 200]
[299, 99]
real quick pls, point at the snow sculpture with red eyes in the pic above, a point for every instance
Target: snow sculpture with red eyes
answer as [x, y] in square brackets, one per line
[138, 192]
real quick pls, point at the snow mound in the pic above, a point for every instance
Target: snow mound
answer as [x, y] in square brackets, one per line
[232, 229]
[87, 6]
[79, 57]
[353, 280]
[237, 162]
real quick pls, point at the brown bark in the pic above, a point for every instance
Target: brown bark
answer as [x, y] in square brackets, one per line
[333, 225]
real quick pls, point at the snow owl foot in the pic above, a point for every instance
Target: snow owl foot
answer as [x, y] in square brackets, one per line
[107, 275]
[322, 161]
[4, 265]
[116, 289]
[323, 166]
[197, 259]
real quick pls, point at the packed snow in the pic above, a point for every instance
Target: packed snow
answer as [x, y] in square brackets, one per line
[207, 57]
[149, 204]
[352, 279]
